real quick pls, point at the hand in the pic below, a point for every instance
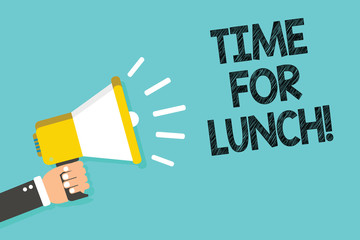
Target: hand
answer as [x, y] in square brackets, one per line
[74, 173]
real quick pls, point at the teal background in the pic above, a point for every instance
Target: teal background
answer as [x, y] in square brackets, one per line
[55, 56]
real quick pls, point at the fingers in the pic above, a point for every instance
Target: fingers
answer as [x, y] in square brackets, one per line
[73, 173]
[72, 166]
[74, 177]
[75, 181]
[79, 188]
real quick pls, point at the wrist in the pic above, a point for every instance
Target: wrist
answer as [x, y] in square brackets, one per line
[42, 191]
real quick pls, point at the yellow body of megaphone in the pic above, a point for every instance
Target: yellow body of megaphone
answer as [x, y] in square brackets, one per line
[102, 128]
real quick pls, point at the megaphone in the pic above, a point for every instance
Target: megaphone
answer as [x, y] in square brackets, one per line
[102, 127]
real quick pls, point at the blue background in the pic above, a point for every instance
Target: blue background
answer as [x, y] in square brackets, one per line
[55, 56]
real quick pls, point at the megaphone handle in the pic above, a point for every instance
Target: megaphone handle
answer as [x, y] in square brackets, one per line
[75, 196]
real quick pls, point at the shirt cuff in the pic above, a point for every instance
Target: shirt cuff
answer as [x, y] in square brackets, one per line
[42, 191]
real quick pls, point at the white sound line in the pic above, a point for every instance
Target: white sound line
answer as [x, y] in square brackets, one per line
[157, 86]
[170, 135]
[136, 67]
[169, 110]
[162, 160]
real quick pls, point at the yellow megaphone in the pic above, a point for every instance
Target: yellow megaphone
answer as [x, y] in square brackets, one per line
[102, 128]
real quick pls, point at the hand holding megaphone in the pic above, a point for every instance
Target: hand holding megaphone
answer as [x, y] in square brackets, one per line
[68, 179]
[102, 127]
